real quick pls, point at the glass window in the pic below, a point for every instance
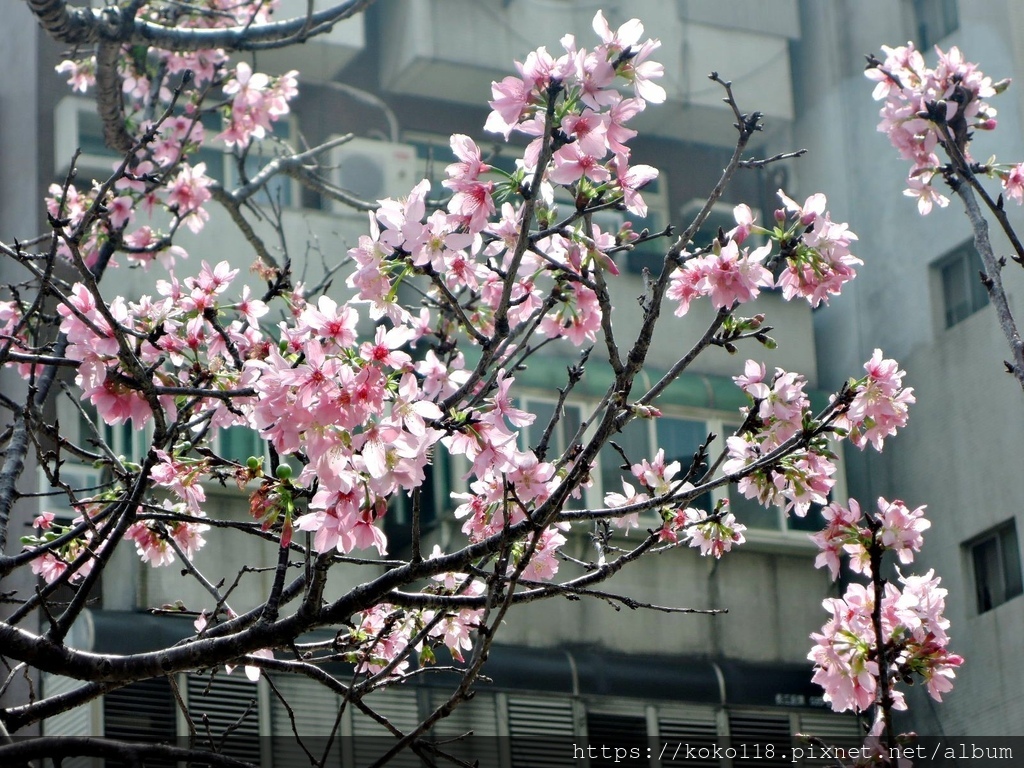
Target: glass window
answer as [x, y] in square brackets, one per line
[996, 560]
[239, 443]
[681, 438]
[963, 293]
[90, 136]
[640, 439]
[934, 20]
[562, 434]
[635, 442]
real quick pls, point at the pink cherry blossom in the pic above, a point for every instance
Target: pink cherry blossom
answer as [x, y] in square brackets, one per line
[713, 535]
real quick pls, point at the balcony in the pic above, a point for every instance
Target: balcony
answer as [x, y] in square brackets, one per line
[425, 55]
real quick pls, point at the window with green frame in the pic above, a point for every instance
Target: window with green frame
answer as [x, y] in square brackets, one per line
[935, 20]
[641, 439]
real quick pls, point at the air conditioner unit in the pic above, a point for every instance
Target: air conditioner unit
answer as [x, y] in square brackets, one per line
[371, 170]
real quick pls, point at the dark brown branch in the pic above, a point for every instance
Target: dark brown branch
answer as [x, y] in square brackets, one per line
[78, 26]
[110, 98]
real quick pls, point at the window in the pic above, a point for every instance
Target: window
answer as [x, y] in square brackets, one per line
[765, 738]
[238, 443]
[995, 556]
[641, 438]
[624, 731]
[81, 425]
[433, 496]
[963, 293]
[538, 729]
[566, 430]
[563, 433]
[934, 20]
[226, 711]
[696, 727]
[752, 514]
[78, 126]
[143, 711]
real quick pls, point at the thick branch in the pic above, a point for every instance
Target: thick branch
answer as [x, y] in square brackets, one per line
[77, 26]
[110, 99]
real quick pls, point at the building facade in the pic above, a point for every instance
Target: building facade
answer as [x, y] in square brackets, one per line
[918, 298]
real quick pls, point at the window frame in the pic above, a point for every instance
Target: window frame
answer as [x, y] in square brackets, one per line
[964, 258]
[1005, 539]
[934, 21]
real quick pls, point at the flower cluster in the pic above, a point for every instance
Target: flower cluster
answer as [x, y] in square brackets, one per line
[160, 178]
[817, 250]
[814, 252]
[60, 550]
[927, 108]
[471, 245]
[256, 101]
[848, 655]
[875, 408]
[913, 635]
[880, 403]
[779, 411]
[385, 631]
[714, 534]
[899, 529]
[729, 275]
[153, 538]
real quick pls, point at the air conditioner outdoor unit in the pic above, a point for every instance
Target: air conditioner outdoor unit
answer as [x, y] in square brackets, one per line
[371, 170]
